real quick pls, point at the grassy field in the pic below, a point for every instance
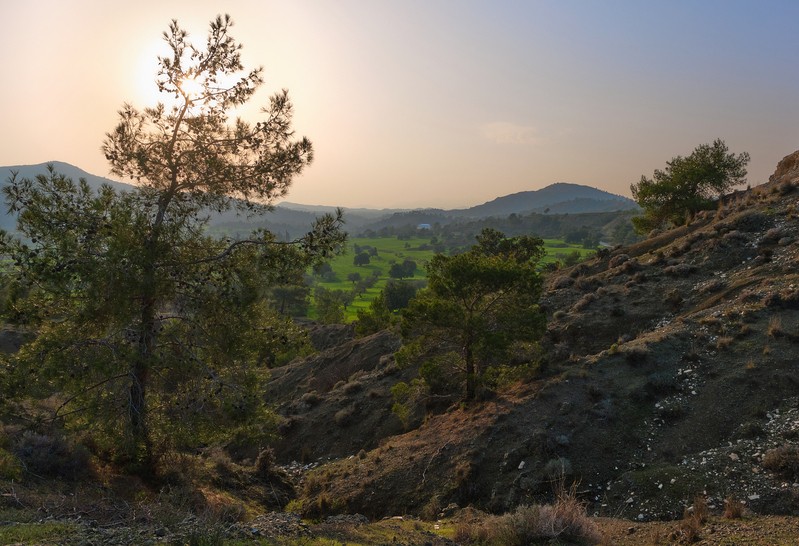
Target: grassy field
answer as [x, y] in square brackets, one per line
[391, 250]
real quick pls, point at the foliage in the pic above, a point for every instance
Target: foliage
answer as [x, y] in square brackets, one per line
[330, 305]
[477, 305]
[687, 185]
[377, 317]
[52, 456]
[143, 320]
[362, 258]
[400, 271]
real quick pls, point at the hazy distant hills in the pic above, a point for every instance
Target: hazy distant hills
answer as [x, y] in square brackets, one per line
[293, 219]
[561, 198]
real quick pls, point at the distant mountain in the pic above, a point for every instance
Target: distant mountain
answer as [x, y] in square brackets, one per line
[31, 171]
[293, 219]
[8, 222]
[561, 197]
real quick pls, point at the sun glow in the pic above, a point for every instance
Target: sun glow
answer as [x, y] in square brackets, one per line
[192, 87]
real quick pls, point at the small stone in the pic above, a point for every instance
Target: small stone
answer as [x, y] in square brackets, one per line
[630, 500]
[753, 497]
[521, 465]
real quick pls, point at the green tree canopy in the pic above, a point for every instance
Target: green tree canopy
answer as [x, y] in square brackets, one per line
[478, 304]
[688, 185]
[141, 317]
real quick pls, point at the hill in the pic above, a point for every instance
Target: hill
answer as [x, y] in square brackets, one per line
[559, 197]
[669, 372]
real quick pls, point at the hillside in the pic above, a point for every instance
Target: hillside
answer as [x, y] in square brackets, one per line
[670, 372]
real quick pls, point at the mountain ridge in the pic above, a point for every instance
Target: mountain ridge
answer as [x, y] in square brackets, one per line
[556, 195]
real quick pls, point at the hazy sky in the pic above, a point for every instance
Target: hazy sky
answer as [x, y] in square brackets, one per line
[431, 103]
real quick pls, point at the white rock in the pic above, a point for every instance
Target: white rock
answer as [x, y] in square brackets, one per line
[521, 465]
[753, 497]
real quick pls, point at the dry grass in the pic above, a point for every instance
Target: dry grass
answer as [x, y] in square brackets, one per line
[774, 329]
[783, 460]
[733, 508]
[688, 530]
[565, 519]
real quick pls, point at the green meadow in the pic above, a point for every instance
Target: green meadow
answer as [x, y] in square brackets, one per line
[391, 250]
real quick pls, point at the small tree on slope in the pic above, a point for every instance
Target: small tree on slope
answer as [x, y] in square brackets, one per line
[687, 185]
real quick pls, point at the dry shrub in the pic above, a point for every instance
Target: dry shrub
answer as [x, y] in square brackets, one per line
[565, 520]
[344, 416]
[265, 463]
[352, 387]
[724, 342]
[688, 530]
[693, 518]
[583, 302]
[700, 509]
[783, 460]
[774, 329]
[733, 508]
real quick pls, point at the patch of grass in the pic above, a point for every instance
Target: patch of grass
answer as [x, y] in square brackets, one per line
[36, 533]
[392, 250]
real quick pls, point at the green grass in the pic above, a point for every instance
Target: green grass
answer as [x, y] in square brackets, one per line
[392, 250]
[36, 533]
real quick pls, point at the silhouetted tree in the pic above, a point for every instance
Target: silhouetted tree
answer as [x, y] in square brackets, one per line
[141, 316]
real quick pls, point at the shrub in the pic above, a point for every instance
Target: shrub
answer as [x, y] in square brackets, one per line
[352, 387]
[616, 261]
[783, 460]
[583, 302]
[343, 417]
[724, 342]
[265, 463]
[733, 508]
[565, 520]
[310, 398]
[52, 456]
[774, 329]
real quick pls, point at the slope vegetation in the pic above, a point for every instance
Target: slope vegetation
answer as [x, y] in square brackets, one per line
[670, 373]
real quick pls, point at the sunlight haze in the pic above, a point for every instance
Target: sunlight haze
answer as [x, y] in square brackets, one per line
[430, 104]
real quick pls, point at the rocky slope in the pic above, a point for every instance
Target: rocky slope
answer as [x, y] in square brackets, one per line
[671, 372]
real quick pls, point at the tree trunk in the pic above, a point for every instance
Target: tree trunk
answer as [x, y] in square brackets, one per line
[140, 371]
[471, 375]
